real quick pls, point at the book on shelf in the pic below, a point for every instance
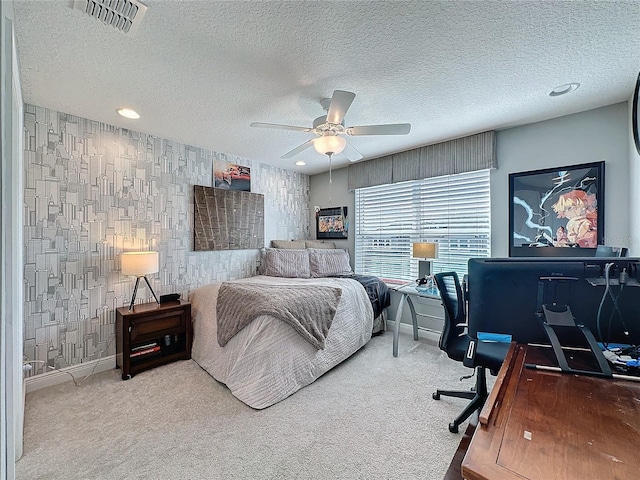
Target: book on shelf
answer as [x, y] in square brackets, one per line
[145, 351]
[144, 347]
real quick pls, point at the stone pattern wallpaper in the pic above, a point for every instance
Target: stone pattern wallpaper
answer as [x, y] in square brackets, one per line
[93, 191]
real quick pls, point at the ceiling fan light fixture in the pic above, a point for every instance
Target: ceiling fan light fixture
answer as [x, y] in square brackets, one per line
[329, 144]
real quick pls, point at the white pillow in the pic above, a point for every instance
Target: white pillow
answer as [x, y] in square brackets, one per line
[289, 263]
[329, 262]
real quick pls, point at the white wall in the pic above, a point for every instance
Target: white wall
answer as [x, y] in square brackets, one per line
[338, 196]
[591, 136]
[600, 134]
[11, 385]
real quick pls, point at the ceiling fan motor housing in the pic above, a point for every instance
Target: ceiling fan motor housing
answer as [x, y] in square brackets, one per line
[320, 125]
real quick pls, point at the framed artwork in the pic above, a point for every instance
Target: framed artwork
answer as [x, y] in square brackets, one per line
[332, 223]
[227, 219]
[557, 211]
[231, 176]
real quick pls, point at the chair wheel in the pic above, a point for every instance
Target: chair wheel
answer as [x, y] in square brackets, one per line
[436, 396]
[453, 428]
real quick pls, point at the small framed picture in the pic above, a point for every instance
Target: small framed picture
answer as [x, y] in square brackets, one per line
[231, 176]
[332, 223]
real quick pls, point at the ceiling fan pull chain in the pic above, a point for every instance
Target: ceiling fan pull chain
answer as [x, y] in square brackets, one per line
[330, 181]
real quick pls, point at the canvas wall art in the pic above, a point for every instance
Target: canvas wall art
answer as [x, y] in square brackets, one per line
[557, 212]
[227, 219]
[231, 176]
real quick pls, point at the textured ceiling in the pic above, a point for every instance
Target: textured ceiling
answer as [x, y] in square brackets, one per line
[201, 71]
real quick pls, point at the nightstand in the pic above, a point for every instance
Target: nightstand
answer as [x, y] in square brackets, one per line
[150, 335]
[423, 303]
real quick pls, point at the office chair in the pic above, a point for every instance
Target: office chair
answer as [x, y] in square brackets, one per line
[459, 346]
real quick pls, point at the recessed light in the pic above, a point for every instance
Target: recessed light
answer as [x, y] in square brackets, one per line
[300, 163]
[128, 113]
[562, 89]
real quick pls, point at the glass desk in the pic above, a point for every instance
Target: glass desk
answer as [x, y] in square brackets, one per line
[407, 290]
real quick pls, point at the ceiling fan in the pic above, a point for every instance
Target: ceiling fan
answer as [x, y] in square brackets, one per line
[330, 130]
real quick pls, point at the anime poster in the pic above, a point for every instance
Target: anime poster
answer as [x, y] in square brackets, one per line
[556, 209]
[231, 176]
[332, 223]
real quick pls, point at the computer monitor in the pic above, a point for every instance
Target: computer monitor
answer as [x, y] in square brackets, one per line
[505, 295]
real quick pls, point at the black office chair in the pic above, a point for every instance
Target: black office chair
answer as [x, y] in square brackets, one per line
[455, 341]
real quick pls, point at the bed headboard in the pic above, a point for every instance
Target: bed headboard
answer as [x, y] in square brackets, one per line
[301, 244]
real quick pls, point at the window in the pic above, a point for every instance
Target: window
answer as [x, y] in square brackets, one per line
[452, 210]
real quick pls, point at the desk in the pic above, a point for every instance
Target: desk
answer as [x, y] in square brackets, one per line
[406, 292]
[540, 425]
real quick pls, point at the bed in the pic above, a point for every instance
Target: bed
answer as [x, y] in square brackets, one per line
[267, 360]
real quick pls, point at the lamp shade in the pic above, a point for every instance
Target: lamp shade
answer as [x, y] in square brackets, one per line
[139, 263]
[425, 250]
[329, 144]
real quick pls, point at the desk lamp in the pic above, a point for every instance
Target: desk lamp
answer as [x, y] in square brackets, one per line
[425, 252]
[140, 264]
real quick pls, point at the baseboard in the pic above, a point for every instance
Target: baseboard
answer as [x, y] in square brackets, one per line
[408, 329]
[79, 371]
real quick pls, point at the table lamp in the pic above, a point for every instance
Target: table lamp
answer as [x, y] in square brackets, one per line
[140, 264]
[425, 252]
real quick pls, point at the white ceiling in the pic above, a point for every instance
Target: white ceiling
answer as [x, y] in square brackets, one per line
[200, 72]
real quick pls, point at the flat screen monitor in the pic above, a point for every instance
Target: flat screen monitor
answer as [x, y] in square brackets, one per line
[505, 296]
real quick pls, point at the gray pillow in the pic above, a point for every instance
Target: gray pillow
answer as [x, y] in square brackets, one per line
[329, 262]
[290, 263]
[318, 244]
[296, 244]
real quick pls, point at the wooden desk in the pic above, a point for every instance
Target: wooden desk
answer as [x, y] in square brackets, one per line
[544, 425]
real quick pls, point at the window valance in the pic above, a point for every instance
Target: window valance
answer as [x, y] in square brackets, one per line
[475, 152]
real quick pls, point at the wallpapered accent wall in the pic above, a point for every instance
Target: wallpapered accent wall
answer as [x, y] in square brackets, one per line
[94, 190]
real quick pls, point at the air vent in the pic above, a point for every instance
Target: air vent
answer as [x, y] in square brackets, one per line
[123, 15]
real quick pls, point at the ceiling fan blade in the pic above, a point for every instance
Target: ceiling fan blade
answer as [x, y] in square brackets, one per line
[340, 103]
[298, 149]
[389, 129]
[280, 127]
[352, 154]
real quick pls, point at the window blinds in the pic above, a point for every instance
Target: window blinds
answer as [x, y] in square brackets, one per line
[452, 210]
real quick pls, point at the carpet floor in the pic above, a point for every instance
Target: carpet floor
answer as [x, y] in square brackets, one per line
[371, 417]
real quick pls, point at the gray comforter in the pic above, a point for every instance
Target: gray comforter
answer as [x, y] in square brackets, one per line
[309, 309]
